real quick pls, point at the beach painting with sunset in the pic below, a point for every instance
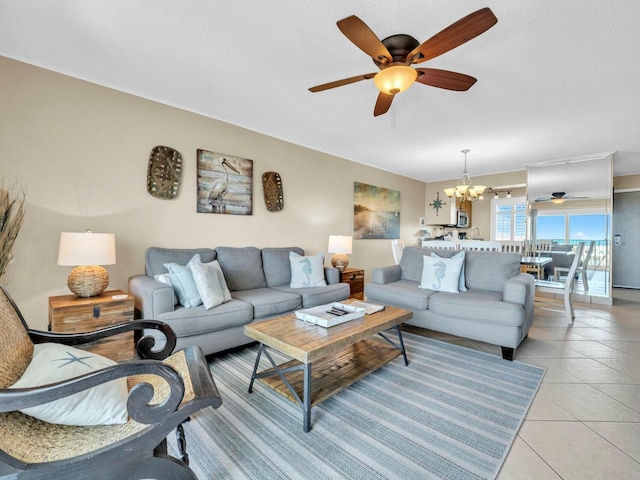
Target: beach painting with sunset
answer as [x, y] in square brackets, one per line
[376, 212]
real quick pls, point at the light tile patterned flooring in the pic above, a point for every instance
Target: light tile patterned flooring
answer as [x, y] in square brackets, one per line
[585, 420]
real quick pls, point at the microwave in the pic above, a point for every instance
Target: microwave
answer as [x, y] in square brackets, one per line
[463, 220]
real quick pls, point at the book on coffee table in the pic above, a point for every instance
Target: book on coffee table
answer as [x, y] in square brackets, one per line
[330, 314]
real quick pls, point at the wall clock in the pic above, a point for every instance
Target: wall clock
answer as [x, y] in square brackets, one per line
[437, 204]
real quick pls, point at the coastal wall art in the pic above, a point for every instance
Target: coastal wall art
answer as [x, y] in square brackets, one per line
[376, 212]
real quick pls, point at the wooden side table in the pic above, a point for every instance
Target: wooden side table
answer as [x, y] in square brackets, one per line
[72, 314]
[355, 278]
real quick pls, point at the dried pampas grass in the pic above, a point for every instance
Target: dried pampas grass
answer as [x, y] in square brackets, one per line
[11, 216]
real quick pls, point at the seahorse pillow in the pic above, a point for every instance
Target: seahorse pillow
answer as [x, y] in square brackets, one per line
[307, 271]
[441, 274]
[462, 283]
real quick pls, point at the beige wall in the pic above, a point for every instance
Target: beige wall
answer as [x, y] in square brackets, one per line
[626, 182]
[82, 150]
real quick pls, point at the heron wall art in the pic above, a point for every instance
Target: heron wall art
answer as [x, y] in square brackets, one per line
[225, 184]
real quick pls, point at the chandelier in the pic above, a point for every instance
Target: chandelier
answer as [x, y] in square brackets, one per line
[466, 191]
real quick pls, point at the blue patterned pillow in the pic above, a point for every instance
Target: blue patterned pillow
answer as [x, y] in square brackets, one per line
[307, 271]
[441, 274]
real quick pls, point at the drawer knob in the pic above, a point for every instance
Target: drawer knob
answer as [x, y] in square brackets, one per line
[96, 312]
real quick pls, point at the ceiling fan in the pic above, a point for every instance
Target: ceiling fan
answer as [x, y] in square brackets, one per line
[559, 197]
[395, 54]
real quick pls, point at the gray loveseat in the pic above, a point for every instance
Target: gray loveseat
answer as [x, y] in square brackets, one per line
[497, 307]
[258, 280]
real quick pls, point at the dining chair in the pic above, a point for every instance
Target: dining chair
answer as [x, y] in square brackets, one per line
[535, 249]
[397, 247]
[566, 287]
[582, 269]
[512, 246]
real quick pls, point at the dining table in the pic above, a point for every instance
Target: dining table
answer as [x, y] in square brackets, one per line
[535, 265]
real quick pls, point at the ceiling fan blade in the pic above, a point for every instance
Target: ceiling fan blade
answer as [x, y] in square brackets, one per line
[454, 35]
[543, 199]
[382, 104]
[344, 81]
[445, 79]
[362, 37]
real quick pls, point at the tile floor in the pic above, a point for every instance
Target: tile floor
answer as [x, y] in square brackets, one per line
[585, 420]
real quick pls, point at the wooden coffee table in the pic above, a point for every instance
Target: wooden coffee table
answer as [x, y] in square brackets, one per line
[340, 355]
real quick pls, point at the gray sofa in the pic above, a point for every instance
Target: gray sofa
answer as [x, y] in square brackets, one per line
[497, 307]
[258, 280]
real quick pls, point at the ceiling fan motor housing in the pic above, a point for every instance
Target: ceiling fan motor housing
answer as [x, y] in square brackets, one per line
[399, 47]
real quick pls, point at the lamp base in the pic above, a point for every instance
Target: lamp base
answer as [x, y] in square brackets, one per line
[340, 261]
[88, 281]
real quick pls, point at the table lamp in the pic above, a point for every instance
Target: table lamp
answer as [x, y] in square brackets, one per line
[87, 252]
[340, 245]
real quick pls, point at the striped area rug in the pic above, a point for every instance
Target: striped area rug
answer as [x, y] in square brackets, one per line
[452, 413]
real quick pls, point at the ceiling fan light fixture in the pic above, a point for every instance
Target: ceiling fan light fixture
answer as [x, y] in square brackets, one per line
[395, 79]
[557, 200]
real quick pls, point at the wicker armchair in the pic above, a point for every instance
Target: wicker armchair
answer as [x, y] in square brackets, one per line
[162, 395]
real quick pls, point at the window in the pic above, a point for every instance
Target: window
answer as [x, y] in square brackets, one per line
[508, 219]
[575, 226]
[571, 226]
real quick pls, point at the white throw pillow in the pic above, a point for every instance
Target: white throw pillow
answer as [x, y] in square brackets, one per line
[462, 282]
[307, 271]
[210, 283]
[166, 279]
[441, 274]
[101, 405]
[184, 284]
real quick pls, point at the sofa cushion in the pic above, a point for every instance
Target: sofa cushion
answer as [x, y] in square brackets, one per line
[268, 302]
[483, 306]
[242, 267]
[276, 265]
[307, 271]
[156, 257]
[403, 293]
[314, 296]
[195, 321]
[441, 274]
[490, 270]
[412, 263]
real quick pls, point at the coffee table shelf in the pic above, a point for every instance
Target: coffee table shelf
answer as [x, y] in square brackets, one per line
[334, 372]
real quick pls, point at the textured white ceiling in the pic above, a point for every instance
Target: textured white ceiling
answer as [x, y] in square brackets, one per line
[556, 79]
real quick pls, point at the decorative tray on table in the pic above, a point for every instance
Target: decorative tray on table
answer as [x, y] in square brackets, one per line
[330, 314]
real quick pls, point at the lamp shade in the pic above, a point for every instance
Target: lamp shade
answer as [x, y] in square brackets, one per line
[340, 245]
[87, 249]
[87, 252]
